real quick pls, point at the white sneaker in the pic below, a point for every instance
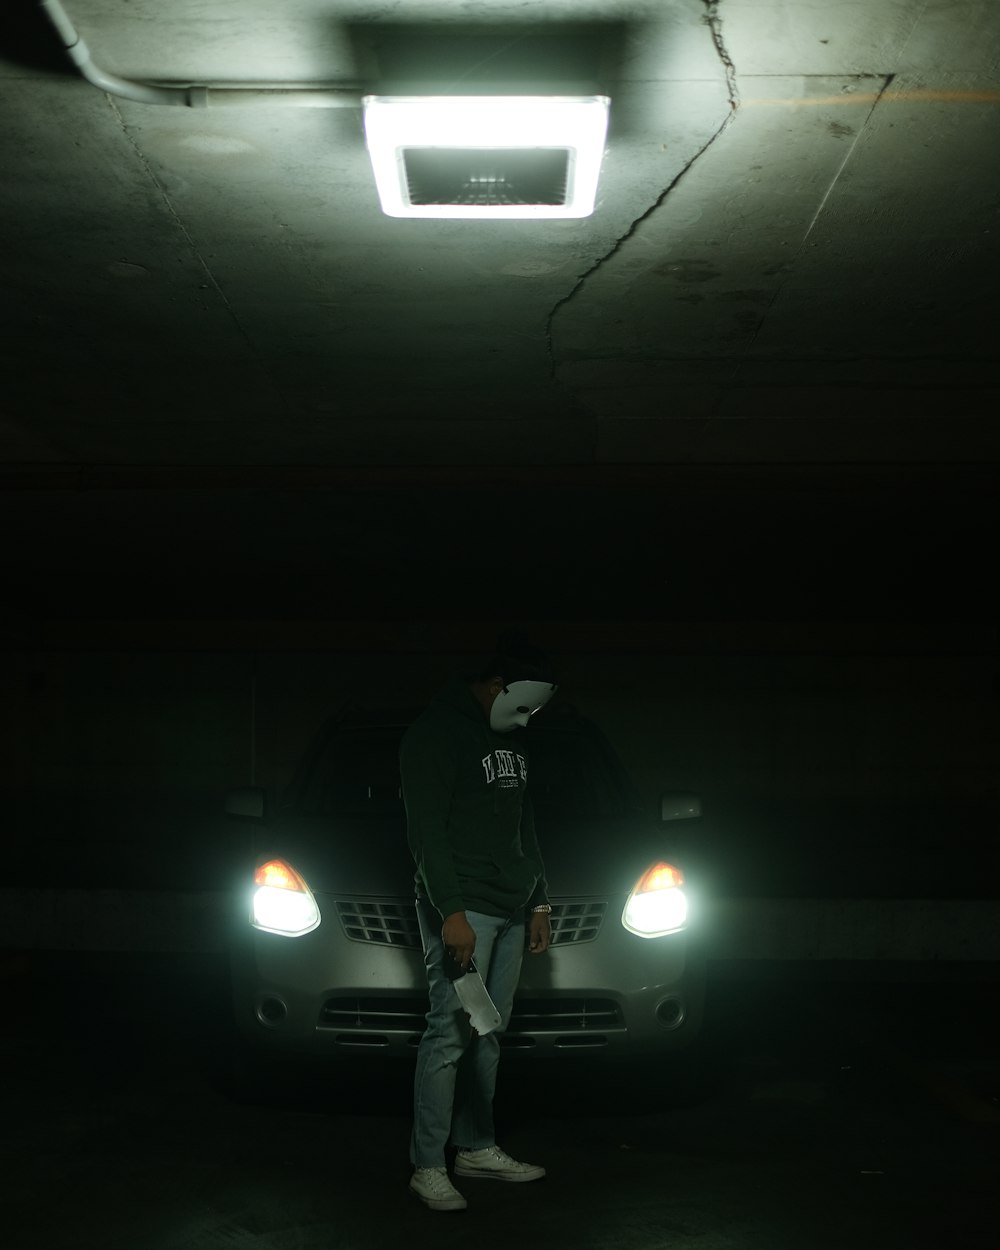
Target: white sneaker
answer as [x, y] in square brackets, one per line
[495, 1164]
[435, 1190]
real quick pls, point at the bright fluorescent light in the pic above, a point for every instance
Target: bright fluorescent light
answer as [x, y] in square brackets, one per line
[496, 157]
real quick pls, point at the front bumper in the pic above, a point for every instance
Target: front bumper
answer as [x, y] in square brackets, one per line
[357, 985]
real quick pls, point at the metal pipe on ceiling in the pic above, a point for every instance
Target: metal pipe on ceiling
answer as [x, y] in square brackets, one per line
[195, 95]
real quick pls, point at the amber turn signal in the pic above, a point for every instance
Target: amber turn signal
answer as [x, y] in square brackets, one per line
[661, 876]
[280, 876]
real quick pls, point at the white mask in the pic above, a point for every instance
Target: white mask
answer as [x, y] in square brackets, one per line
[515, 705]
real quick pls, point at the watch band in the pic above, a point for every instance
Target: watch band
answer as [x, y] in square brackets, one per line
[543, 907]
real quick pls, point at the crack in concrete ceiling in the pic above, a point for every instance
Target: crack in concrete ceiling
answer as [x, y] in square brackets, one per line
[714, 22]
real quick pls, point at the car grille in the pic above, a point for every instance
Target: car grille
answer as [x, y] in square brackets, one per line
[368, 1021]
[374, 1015]
[576, 922]
[533, 1015]
[395, 923]
[386, 923]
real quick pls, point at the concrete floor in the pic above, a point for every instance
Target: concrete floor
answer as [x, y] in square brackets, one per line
[831, 1111]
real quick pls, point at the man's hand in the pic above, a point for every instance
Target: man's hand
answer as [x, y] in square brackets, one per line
[459, 937]
[539, 933]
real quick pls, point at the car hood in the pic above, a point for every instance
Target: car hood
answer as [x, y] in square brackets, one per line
[370, 856]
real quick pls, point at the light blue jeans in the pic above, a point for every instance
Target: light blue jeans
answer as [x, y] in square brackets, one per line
[456, 1072]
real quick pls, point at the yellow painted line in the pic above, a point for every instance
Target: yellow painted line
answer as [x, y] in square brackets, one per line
[889, 97]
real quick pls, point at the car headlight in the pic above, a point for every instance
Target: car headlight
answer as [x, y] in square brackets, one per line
[657, 905]
[282, 902]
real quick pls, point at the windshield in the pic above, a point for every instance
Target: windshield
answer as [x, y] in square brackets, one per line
[357, 774]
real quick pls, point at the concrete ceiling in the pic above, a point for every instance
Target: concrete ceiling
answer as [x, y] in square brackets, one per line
[790, 281]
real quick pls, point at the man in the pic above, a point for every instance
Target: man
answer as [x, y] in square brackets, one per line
[479, 880]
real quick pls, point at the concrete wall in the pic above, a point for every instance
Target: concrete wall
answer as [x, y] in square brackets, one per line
[832, 762]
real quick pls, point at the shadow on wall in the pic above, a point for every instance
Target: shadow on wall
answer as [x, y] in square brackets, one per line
[27, 38]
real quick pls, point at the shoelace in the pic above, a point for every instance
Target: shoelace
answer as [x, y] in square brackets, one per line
[438, 1178]
[490, 1152]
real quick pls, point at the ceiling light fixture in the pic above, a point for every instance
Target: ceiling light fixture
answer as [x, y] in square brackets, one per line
[496, 157]
[486, 157]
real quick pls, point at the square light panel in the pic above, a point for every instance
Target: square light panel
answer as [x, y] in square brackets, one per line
[486, 157]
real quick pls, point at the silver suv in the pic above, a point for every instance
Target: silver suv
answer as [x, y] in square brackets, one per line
[326, 953]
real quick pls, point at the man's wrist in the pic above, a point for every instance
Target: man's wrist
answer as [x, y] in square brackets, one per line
[544, 909]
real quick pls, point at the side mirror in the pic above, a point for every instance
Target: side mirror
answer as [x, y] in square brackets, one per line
[678, 806]
[248, 802]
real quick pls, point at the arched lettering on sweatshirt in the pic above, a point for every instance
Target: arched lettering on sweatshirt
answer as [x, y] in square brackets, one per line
[508, 766]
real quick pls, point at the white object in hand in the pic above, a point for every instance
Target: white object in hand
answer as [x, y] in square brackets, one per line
[475, 1000]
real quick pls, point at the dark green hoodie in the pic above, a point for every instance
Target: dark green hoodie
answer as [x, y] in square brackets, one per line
[469, 822]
